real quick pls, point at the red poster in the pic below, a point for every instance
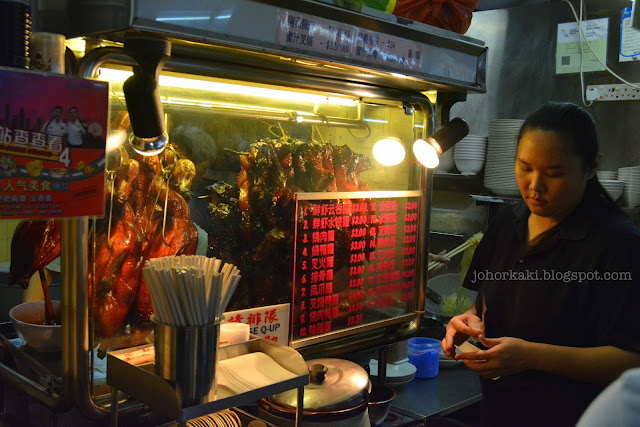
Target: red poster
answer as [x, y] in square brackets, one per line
[53, 132]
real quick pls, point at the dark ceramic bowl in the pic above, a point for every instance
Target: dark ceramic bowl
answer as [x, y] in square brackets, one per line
[380, 399]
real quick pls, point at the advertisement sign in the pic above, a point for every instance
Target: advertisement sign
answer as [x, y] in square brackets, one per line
[629, 38]
[52, 145]
[571, 45]
[269, 322]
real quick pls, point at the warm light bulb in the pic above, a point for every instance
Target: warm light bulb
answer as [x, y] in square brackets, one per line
[426, 153]
[388, 151]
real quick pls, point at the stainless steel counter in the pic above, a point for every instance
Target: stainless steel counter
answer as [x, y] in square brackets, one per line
[452, 390]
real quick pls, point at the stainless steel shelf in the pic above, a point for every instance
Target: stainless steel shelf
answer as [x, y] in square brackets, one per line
[493, 199]
[144, 385]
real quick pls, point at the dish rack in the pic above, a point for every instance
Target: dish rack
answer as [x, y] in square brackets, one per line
[141, 383]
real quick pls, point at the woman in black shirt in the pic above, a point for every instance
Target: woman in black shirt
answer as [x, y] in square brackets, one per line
[558, 281]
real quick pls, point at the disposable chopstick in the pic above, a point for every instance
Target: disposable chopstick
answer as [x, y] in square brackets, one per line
[173, 298]
[198, 292]
[187, 283]
[227, 296]
[190, 290]
[158, 307]
[202, 286]
[159, 286]
[216, 296]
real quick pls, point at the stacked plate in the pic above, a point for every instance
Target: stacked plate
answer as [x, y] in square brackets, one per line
[470, 154]
[499, 176]
[397, 373]
[631, 178]
[226, 418]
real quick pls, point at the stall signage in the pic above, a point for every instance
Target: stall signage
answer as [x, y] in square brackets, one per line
[355, 260]
[269, 322]
[52, 145]
[315, 34]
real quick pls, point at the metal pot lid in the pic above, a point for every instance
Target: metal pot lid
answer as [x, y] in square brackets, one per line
[334, 384]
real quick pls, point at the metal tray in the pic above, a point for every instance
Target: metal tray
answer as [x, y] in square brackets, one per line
[140, 381]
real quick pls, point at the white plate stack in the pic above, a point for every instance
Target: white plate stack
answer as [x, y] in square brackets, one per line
[397, 373]
[470, 154]
[499, 175]
[631, 178]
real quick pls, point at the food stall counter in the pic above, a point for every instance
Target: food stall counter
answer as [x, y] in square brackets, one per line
[453, 389]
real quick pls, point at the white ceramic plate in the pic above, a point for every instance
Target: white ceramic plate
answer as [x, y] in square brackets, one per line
[402, 370]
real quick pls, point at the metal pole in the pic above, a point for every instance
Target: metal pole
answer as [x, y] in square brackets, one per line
[75, 316]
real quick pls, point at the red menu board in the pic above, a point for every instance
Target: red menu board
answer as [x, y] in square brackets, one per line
[52, 145]
[355, 260]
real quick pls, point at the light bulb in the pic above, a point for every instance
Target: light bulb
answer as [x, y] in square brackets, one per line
[388, 151]
[426, 153]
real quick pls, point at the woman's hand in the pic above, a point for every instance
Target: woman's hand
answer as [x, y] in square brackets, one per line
[441, 258]
[505, 356]
[459, 329]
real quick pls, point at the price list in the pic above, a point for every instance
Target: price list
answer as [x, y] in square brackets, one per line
[355, 261]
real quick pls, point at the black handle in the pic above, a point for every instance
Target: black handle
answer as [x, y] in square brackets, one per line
[433, 295]
[317, 373]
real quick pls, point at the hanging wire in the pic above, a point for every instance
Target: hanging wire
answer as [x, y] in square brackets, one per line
[584, 36]
[361, 138]
[319, 134]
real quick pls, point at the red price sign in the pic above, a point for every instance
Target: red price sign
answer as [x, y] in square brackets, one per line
[368, 275]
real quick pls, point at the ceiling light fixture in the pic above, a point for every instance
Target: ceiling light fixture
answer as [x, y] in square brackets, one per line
[149, 136]
[447, 136]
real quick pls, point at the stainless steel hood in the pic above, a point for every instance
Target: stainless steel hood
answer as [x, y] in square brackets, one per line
[299, 36]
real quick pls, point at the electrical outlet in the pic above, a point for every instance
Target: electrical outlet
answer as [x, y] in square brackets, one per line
[614, 92]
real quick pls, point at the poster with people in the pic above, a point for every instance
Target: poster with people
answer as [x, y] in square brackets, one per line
[52, 145]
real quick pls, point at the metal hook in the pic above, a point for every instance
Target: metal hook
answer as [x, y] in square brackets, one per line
[111, 177]
[164, 219]
[166, 177]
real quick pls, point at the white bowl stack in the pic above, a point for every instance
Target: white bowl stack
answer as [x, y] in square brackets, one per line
[631, 178]
[607, 175]
[499, 175]
[470, 153]
[613, 187]
[446, 162]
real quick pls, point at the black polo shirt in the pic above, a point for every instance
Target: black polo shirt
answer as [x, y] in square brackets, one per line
[579, 286]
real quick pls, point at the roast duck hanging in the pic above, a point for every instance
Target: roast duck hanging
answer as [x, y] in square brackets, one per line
[146, 218]
[252, 224]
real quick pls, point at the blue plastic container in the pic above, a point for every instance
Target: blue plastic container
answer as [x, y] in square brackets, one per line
[424, 354]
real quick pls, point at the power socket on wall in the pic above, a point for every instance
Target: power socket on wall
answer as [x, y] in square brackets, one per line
[614, 92]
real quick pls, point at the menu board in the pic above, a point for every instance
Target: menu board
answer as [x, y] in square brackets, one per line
[52, 145]
[355, 263]
[316, 34]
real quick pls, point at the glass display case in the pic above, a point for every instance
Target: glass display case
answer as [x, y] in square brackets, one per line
[270, 166]
[256, 164]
